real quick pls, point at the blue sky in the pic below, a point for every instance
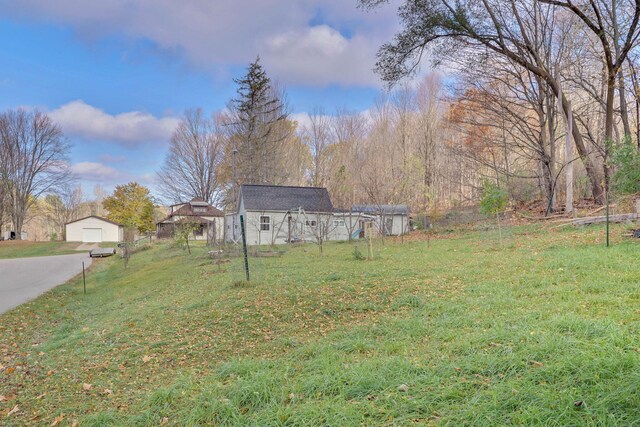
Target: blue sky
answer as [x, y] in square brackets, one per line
[117, 75]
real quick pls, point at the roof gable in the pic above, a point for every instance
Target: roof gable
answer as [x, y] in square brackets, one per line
[97, 217]
[285, 198]
[196, 207]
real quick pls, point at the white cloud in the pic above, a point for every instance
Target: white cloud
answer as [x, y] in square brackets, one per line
[303, 119]
[300, 39]
[321, 55]
[97, 172]
[108, 158]
[83, 120]
[108, 176]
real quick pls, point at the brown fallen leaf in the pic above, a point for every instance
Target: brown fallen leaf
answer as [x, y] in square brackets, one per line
[3, 398]
[107, 391]
[57, 420]
[10, 370]
[145, 359]
[75, 423]
[13, 411]
[164, 421]
[41, 396]
[536, 364]
[86, 386]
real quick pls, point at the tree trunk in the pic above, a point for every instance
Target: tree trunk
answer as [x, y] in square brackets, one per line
[590, 169]
[18, 223]
[634, 82]
[608, 134]
[608, 121]
[624, 111]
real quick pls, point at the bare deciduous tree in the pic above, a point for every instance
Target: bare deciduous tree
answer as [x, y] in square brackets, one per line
[191, 167]
[62, 207]
[506, 28]
[33, 160]
[316, 135]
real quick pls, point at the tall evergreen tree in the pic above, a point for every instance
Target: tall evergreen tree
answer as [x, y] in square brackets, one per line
[258, 129]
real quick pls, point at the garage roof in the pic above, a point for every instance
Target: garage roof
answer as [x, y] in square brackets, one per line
[97, 217]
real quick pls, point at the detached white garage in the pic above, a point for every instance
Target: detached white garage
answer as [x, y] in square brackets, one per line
[94, 229]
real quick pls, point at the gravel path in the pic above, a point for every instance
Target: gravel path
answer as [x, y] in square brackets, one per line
[23, 279]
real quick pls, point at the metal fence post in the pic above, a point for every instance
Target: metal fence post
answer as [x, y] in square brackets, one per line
[244, 247]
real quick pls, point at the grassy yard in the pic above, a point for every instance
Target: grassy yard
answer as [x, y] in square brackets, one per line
[21, 249]
[458, 332]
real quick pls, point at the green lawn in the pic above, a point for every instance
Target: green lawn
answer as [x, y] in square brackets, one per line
[21, 249]
[477, 334]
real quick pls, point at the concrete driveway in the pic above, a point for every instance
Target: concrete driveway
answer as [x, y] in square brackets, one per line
[23, 279]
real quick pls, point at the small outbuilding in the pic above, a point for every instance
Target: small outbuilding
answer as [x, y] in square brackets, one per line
[392, 220]
[94, 229]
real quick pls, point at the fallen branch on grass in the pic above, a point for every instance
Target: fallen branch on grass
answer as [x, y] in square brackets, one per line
[599, 219]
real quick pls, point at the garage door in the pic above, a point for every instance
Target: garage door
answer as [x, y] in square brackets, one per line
[91, 235]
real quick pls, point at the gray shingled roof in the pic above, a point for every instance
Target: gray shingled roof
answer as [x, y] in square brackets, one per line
[382, 209]
[285, 198]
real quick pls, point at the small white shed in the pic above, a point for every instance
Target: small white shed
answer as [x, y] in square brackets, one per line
[94, 229]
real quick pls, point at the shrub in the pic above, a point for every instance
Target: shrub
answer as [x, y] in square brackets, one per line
[357, 254]
[494, 199]
[626, 159]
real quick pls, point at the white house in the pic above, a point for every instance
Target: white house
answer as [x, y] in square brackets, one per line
[206, 219]
[392, 220]
[275, 214]
[94, 229]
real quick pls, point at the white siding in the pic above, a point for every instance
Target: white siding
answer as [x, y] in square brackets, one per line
[110, 232]
[400, 224]
[278, 231]
[346, 223]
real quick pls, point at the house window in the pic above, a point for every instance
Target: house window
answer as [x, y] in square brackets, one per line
[265, 222]
[311, 223]
[338, 222]
[199, 209]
